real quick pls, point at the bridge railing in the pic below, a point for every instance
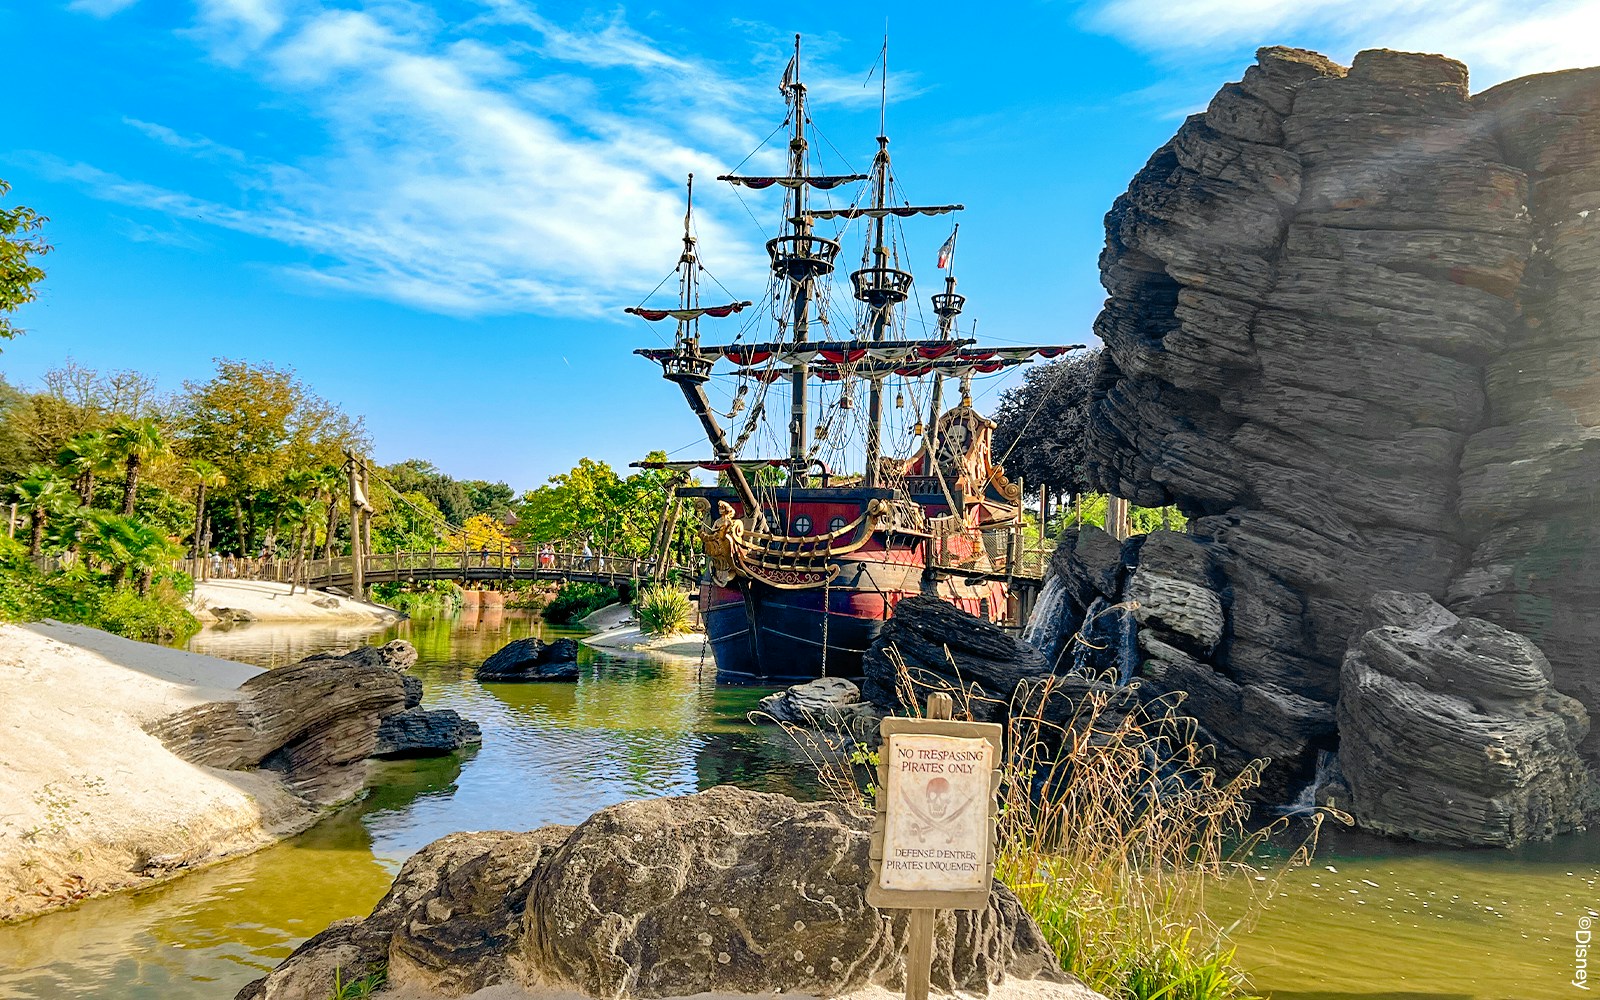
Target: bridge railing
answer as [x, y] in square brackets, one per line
[383, 566]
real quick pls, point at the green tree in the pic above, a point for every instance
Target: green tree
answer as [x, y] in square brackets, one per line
[42, 494]
[206, 476]
[21, 244]
[1042, 425]
[135, 443]
[85, 457]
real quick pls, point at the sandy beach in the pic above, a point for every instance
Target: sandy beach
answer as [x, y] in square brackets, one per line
[616, 631]
[90, 802]
[267, 601]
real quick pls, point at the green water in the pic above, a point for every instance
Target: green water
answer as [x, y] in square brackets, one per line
[1387, 921]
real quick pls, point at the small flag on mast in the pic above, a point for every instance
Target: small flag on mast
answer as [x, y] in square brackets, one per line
[788, 75]
[947, 251]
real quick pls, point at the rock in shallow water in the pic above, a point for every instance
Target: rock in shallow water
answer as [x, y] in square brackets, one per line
[1452, 731]
[423, 732]
[531, 659]
[729, 891]
[831, 702]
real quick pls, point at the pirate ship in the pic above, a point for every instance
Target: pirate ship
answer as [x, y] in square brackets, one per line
[806, 563]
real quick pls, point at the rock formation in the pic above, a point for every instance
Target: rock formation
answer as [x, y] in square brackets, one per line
[727, 892]
[1354, 333]
[832, 703]
[1453, 733]
[531, 659]
[945, 649]
[316, 721]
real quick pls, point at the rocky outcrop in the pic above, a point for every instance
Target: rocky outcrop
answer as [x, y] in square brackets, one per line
[1351, 332]
[832, 703]
[728, 892]
[945, 649]
[317, 721]
[1453, 732]
[532, 659]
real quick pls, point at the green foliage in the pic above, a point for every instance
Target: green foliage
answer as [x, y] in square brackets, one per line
[575, 600]
[1091, 509]
[1041, 425]
[435, 597]
[592, 504]
[79, 597]
[20, 247]
[358, 989]
[664, 611]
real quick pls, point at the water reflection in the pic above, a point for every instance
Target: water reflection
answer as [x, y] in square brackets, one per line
[552, 753]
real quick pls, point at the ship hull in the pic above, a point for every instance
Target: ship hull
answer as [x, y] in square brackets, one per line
[765, 635]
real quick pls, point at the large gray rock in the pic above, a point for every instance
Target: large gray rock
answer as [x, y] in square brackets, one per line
[397, 654]
[945, 649]
[315, 722]
[1357, 370]
[1452, 732]
[727, 892]
[532, 659]
[825, 703]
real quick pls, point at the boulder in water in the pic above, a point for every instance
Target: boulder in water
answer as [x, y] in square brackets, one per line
[532, 659]
[424, 732]
[1453, 732]
[827, 702]
[946, 649]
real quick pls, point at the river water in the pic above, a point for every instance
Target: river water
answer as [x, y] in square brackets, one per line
[1367, 920]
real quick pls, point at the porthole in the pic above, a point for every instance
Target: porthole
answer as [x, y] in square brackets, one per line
[802, 525]
[836, 524]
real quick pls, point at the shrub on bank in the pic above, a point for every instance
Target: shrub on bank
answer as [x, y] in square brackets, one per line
[575, 600]
[82, 598]
[664, 611]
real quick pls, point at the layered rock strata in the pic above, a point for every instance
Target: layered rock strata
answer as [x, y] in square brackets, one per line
[1453, 732]
[727, 892]
[1352, 332]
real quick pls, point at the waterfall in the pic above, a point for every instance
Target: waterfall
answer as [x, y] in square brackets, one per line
[1306, 801]
[1043, 629]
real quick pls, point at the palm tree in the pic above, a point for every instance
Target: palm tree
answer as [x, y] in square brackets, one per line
[148, 551]
[85, 457]
[43, 494]
[136, 442]
[205, 475]
[328, 481]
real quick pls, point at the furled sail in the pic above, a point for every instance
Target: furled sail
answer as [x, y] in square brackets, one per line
[900, 212]
[822, 182]
[716, 312]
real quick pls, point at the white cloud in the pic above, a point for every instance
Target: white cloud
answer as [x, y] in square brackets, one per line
[465, 168]
[1497, 39]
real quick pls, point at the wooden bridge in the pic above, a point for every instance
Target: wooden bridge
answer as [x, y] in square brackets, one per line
[405, 567]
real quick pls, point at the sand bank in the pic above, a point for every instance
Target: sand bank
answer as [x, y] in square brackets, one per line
[272, 602]
[616, 631]
[90, 802]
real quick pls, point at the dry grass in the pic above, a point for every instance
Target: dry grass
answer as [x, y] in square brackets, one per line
[1114, 826]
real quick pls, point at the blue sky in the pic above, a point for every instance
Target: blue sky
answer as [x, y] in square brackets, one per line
[436, 211]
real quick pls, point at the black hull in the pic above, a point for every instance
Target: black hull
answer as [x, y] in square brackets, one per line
[775, 637]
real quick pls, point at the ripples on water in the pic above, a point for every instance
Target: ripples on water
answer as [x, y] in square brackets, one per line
[1368, 920]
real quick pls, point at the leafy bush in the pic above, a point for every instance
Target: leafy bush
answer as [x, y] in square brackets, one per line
[532, 595]
[435, 597]
[81, 598]
[664, 611]
[575, 600]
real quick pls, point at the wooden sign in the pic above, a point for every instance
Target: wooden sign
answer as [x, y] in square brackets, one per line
[933, 839]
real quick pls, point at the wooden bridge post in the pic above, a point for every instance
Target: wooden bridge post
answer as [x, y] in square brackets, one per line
[358, 576]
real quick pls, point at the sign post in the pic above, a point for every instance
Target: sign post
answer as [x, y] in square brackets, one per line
[933, 839]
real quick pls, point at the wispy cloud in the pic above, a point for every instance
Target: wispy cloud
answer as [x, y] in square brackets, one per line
[504, 164]
[1497, 39]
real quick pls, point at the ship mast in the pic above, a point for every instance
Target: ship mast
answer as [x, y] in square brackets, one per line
[800, 281]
